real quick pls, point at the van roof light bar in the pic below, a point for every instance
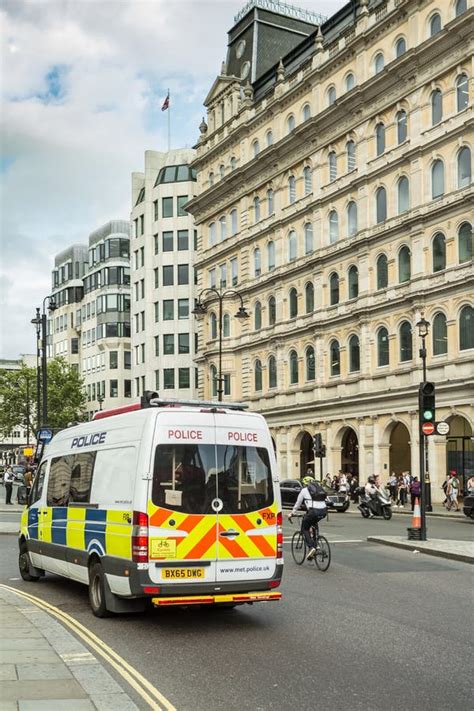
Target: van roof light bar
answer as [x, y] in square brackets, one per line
[160, 402]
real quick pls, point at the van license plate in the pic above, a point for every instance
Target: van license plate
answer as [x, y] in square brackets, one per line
[182, 573]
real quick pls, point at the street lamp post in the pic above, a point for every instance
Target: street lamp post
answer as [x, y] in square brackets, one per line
[41, 323]
[36, 321]
[425, 499]
[200, 309]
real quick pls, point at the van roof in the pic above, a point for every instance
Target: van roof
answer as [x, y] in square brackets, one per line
[153, 402]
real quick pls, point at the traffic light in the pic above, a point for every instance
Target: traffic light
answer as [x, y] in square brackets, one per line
[317, 444]
[426, 400]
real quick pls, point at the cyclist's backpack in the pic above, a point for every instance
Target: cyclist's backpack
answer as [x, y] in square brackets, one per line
[316, 491]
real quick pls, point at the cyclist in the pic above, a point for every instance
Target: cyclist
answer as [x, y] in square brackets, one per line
[314, 498]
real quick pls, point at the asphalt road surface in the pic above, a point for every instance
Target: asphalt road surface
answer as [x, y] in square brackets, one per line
[382, 629]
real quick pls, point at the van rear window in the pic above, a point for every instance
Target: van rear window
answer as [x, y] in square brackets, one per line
[188, 478]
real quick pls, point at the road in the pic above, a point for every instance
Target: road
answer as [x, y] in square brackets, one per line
[382, 628]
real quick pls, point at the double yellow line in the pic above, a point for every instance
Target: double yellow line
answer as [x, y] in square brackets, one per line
[142, 686]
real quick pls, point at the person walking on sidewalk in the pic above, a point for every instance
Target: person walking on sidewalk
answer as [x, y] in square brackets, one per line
[452, 491]
[415, 491]
[8, 479]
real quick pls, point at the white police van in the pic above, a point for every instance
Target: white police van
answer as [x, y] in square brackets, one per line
[175, 501]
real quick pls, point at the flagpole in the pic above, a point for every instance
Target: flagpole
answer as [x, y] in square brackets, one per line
[169, 122]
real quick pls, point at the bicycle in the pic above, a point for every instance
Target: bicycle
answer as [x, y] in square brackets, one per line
[322, 558]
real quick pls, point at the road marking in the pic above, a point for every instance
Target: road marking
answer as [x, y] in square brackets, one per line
[349, 540]
[142, 686]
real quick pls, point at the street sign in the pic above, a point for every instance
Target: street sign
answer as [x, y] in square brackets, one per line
[442, 428]
[45, 435]
[427, 428]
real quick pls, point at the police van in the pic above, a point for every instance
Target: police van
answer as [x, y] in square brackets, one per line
[174, 501]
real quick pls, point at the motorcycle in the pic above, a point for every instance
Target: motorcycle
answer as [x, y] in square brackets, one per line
[379, 505]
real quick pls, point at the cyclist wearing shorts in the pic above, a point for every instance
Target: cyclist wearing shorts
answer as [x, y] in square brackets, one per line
[314, 498]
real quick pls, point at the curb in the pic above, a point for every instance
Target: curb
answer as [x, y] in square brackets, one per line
[431, 514]
[427, 551]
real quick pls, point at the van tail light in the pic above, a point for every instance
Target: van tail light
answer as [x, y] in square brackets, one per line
[279, 535]
[140, 537]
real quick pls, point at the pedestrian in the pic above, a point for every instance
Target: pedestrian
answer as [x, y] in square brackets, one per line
[28, 481]
[470, 485]
[354, 490]
[415, 491]
[453, 491]
[392, 486]
[402, 491]
[8, 479]
[342, 484]
[444, 487]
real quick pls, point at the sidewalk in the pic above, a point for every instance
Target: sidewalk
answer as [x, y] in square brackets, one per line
[43, 666]
[454, 550]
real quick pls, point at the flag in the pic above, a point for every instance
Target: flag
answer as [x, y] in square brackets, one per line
[166, 103]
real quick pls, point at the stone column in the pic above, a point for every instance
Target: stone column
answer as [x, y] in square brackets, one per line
[437, 466]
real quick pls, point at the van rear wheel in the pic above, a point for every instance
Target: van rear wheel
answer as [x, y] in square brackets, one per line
[97, 591]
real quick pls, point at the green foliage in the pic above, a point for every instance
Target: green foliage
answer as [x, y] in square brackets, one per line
[66, 397]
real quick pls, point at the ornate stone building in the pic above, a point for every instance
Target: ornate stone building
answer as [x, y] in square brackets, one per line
[335, 194]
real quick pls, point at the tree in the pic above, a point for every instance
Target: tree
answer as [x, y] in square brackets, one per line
[66, 397]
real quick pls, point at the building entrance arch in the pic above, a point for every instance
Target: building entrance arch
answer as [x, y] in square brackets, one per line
[400, 449]
[350, 452]
[306, 453]
[460, 449]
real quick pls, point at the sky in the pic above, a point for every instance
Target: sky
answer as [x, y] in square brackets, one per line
[82, 84]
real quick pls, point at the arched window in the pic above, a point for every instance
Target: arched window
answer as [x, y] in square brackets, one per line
[462, 92]
[404, 265]
[401, 120]
[226, 326]
[233, 163]
[222, 171]
[406, 345]
[383, 352]
[435, 24]
[257, 316]
[334, 289]
[211, 178]
[353, 282]
[382, 272]
[306, 112]
[308, 180]
[350, 81]
[465, 243]
[308, 238]
[258, 375]
[292, 252]
[309, 297]
[351, 155]
[437, 179]
[271, 311]
[270, 202]
[212, 233]
[333, 227]
[335, 358]
[464, 167]
[291, 189]
[272, 372]
[351, 218]
[460, 7]
[332, 161]
[403, 195]
[255, 148]
[290, 123]
[269, 138]
[256, 209]
[354, 354]
[223, 227]
[293, 368]
[257, 262]
[271, 256]
[293, 301]
[331, 95]
[310, 362]
[381, 205]
[213, 320]
[233, 221]
[400, 47]
[379, 62]
[440, 335]
[213, 379]
[439, 252]
[436, 107]
[380, 138]
[466, 328]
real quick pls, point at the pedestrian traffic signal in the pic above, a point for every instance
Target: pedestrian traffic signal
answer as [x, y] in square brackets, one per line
[427, 402]
[318, 447]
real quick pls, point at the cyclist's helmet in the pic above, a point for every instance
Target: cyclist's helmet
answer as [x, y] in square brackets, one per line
[371, 480]
[307, 480]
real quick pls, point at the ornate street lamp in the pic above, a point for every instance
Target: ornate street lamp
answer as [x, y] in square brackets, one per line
[40, 321]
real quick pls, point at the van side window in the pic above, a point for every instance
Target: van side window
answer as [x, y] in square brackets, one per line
[70, 479]
[81, 477]
[37, 488]
[59, 482]
[113, 479]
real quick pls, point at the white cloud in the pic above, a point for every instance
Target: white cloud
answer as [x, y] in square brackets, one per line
[70, 143]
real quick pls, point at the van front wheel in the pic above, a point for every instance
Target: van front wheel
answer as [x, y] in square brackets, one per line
[97, 591]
